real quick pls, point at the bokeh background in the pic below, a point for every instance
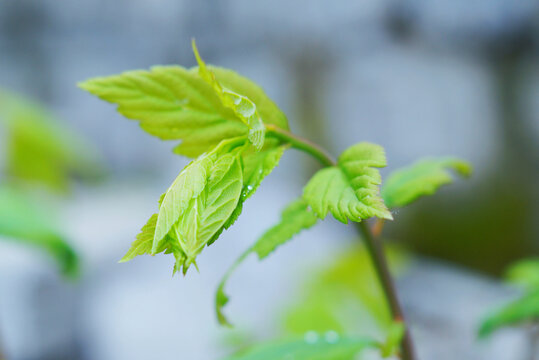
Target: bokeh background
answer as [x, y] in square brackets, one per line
[422, 78]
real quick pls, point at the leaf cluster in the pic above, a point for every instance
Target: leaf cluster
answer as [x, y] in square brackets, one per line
[236, 136]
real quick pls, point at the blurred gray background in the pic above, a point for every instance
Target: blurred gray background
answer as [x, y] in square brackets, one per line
[422, 78]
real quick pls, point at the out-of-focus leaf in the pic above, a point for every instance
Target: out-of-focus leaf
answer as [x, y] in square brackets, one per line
[395, 333]
[524, 309]
[525, 273]
[423, 178]
[345, 297]
[313, 347]
[39, 150]
[24, 222]
[350, 190]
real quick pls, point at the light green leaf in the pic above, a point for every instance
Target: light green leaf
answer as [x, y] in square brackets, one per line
[172, 103]
[422, 178]
[525, 272]
[187, 186]
[315, 346]
[519, 311]
[197, 204]
[23, 220]
[266, 108]
[40, 150]
[256, 166]
[207, 212]
[143, 243]
[244, 108]
[350, 190]
[296, 217]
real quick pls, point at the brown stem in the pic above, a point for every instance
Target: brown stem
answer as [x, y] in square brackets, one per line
[377, 254]
[302, 144]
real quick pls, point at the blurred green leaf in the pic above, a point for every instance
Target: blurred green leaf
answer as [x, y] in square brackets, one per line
[23, 221]
[525, 273]
[346, 297]
[327, 346]
[349, 190]
[519, 311]
[405, 185]
[395, 333]
[39, 150]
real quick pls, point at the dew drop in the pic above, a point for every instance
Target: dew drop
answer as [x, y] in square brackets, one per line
[311, 337]
[331, 336]
[249, 187]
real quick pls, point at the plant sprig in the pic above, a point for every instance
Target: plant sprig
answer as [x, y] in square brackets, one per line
[237, 136]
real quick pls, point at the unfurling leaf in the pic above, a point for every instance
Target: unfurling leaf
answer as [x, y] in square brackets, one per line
[256, 166]
[200, 201]
[296, 217]
[243, 107]
[520, 311]
[350, 190]
[422, 178]
[328, 346]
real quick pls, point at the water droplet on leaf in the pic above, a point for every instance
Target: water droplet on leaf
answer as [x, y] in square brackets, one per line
[311, 337]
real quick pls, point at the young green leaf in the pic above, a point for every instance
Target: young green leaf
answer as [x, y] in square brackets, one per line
[350, 190]
[519, 311]
[174, 103]
[207, 212]
[24, 221]
[525, 272]
[296, 217]
[422, 178]
[199, 202]
[256, 166]
[329, 346]
[243, 107]
[187, 186]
